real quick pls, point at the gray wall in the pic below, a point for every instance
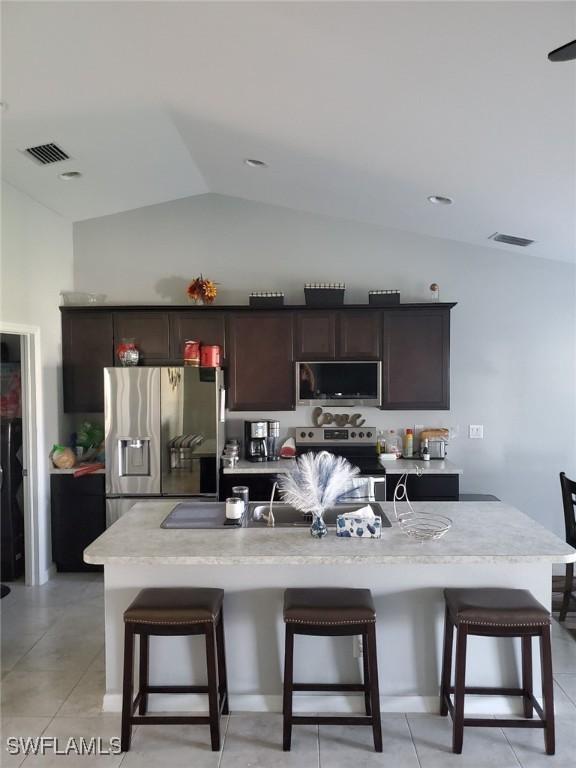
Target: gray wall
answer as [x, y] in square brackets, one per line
[513, 331]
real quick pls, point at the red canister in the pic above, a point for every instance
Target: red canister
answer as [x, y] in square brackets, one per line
[192, 353]
[210, 356]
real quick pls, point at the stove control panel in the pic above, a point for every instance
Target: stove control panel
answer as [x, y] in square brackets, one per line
[336, 435]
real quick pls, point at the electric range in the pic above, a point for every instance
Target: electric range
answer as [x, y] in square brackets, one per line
[357, 444]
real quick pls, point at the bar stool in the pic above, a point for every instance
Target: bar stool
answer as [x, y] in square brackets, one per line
[174, 612]
[496, 613]
[330, 613]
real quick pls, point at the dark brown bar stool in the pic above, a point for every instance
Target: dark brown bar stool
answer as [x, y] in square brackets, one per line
[497, 613]
[174, 612]
[569, 502]
[329, 613]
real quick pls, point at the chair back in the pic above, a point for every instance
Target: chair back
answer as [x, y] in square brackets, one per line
[569, 501]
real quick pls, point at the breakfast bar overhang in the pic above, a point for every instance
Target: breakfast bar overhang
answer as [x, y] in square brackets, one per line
[490, 544]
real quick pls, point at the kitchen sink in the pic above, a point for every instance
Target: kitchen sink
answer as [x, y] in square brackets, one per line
[286, 516]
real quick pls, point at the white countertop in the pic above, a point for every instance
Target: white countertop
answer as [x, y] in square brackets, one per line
[397, 467]
[482, 532]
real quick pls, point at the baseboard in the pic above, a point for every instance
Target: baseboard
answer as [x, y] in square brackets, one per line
[341, 703]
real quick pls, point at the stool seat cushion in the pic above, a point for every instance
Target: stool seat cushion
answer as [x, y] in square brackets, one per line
[175, 605]
[329, 606]
[494, 606]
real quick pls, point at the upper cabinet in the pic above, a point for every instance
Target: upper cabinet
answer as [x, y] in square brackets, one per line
[260, 346]
[261, 369]
[358, 335]
[87, 348]
[150, 332]
[315, 337]
[416, 359]
[337, 335]
[203, 326]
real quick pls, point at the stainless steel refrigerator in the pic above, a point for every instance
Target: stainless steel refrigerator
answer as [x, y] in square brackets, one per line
[164, 434]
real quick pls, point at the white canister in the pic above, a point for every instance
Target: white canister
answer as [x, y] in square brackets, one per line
[234, 508]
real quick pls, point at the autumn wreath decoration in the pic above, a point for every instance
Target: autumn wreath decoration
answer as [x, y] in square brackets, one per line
[202, 291]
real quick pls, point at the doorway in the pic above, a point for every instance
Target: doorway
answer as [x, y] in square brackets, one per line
[20, 483]
[12, 540]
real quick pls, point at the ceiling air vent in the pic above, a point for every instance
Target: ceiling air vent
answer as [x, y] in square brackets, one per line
[47, 153]
[498, 237]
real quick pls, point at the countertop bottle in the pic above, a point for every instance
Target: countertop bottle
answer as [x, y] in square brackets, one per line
[425, 452]
[408, 447]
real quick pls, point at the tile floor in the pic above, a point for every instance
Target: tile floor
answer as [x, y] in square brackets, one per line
[53, 681]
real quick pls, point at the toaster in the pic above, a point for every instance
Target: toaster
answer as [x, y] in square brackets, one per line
[437, 448]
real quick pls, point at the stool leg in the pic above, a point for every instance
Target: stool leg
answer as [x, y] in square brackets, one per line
[547, 690]
[374, 689]
[127, 688]
[222, 676]
[567, 591]
[143, 675]
[288, 681]
[459, 686]
[527, 675]
[446, 663]
[366, 678]
[212, 668]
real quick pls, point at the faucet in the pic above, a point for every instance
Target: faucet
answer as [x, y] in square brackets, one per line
[271, 523]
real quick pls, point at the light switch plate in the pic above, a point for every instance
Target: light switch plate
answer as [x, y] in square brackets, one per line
[476, 431]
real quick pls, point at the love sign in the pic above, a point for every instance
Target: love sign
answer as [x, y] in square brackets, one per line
[320, 418]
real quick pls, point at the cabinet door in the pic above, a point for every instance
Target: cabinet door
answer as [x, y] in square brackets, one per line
[416, 360]
[199, 325]
[78, 512]
[260, 361]
[359, 335]
[315, 335]
[87, 348]
[150, 331]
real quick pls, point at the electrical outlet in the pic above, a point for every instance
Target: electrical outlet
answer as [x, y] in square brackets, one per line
[476, 431]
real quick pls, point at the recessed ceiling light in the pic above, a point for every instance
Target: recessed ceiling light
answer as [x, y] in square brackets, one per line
[440, 200]
[69, 175]
[253, 163]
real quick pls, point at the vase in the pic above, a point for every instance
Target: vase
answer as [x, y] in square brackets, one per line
[127, 353]
[318, 528]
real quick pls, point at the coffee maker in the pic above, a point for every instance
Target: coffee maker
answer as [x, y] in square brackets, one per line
[255, 440]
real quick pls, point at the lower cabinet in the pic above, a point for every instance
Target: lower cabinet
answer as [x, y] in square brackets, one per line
[426, 487]
[423, 488]
[259, 485]
[78, 510]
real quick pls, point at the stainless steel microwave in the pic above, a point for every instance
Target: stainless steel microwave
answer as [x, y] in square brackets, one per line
[339, 383]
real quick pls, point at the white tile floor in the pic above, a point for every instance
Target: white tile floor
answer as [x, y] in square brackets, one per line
[53, 682]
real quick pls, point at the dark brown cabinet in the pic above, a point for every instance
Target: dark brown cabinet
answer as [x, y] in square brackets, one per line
[315, 335]
[261, 370]
[337, 335]
[87, 348]
[150, 332]
[203, 326]
[78, 512]
[416, 359]
[358, 335]
[260, 345]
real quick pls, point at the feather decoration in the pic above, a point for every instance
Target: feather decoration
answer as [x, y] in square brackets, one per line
[318, 481]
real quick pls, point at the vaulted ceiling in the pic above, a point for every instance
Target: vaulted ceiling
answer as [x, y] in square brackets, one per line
[361, 110]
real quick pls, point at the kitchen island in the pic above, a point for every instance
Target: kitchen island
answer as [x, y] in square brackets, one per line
[489, 544]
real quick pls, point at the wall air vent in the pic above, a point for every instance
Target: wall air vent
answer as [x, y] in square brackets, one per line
[498, 237]
[46, 153]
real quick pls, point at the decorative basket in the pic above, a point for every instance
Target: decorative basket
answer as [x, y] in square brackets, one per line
[324, 294]
[383, 298]
[421, 525]
[266, 299]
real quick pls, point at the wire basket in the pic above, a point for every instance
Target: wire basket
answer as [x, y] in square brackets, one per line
[421, 525]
